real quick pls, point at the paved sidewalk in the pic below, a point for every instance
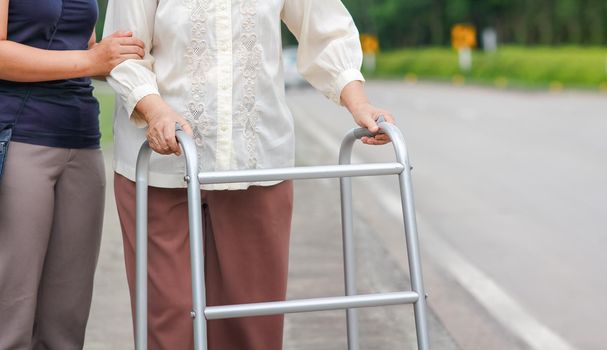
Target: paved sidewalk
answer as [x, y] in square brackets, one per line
[109, 324]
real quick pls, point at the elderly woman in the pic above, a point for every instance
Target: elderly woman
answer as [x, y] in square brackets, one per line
[52, 184]
[214, 67]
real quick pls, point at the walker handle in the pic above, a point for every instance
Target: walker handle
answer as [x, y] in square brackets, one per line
[364, 132]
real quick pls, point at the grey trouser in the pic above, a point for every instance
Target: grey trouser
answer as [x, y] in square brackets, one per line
[51, 213]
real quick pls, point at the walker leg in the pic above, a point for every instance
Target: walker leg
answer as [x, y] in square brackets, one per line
[196, 241]
[417, 284]
[141, 250]
[197, 261]
[349, 247]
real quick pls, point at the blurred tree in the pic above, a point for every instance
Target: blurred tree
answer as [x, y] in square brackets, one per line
[568, 19]
[594, 13]
[428, 22]
[527, 22]
[99, 28]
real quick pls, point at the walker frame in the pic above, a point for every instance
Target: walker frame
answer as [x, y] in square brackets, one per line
[345, 171]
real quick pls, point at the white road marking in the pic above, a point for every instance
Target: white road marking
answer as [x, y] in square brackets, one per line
[505, 309]
[487, 292]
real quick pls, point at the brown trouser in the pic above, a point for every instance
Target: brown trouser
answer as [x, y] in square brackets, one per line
[51, 212]
[246, 247]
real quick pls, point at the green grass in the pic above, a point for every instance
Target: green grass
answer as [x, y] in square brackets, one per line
[537, 67]
[106, 103]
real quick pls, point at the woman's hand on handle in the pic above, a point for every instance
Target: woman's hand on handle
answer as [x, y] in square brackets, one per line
[161, 120]
[366, 116]
[364, 113]
[114, 50]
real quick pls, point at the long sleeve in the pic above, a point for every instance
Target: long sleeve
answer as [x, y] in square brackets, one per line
[133, 79]
[329, 54]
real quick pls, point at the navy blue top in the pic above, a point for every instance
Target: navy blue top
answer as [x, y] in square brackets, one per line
[61, 113]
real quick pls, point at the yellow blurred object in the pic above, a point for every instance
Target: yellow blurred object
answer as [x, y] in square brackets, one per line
[603, 87]
[501, 82]
[459, 80]
[463, 36]
[556, 86]
[411, 78]
[369, 43]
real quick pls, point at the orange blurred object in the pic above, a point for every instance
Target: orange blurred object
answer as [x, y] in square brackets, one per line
[463, 36]
[369, 43]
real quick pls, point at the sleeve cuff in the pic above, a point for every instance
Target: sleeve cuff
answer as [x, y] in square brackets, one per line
[344, 79]
[134, 97]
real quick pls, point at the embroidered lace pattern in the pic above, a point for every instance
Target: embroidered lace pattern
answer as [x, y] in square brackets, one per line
[198, 59]
[249, 63]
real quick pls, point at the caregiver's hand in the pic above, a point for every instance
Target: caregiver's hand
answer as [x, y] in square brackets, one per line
[112, 51]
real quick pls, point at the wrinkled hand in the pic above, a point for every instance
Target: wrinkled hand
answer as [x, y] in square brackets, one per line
[114, 50]
[161, 130]
[366, 115]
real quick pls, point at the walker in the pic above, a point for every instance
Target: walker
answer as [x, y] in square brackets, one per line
[345, 171]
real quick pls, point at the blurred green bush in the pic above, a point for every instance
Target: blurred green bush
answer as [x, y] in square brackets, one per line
[577, 67]
[105, 95]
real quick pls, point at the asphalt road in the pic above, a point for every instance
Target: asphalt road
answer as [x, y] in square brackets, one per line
[511, 192]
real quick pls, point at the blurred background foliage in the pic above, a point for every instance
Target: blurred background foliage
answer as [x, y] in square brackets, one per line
[526, 22]
[402, 23]
[542, 43]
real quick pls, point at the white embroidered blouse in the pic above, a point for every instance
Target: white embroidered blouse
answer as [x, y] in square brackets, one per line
[219, 64]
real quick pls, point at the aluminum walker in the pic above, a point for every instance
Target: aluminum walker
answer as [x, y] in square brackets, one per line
[345, 171]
